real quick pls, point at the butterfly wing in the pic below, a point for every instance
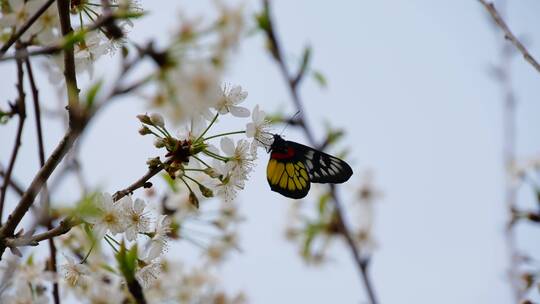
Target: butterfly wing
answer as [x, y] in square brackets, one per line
[288, 176]
[323, 168]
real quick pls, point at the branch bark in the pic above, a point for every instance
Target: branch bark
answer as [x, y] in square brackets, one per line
[292, 83]
[44, 193]
[21, 111]
[508, 35]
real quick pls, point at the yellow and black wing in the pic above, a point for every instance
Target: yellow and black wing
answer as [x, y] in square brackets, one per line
[293, 167]
[323, 168]
[288, 177]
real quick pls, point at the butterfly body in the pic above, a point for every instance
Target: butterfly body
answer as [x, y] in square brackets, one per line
[293, 167]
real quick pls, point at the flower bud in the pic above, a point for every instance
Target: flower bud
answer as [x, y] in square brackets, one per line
[179, 173]
[193, 200]
[144, 130]
[206, 192]
[159, 142]
[153, 162]
[212, 173]
[157, 120]
[145, 119]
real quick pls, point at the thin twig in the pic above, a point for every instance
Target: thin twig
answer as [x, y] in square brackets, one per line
[14, 185]
[39, 180]
[25, 27]
[21, 111]
[141, 182]
[361, 263]
[44, 193]
[508, 35]
[62, 228]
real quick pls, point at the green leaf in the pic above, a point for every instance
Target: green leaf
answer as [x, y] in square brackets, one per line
[320, 79]
[323, 200]
[306, 56]
[263, 20]
[74, 38]
[127, 261]
[91, 94]
[311, 231]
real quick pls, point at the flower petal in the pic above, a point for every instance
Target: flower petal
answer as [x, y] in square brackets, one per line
[239, 111]
[227, 145]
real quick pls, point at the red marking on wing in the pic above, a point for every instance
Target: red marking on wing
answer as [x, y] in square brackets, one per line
[288, 154]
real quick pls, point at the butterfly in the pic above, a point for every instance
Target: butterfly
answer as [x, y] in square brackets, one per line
[292, 168]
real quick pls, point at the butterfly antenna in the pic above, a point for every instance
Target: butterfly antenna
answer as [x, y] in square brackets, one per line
[289, 122]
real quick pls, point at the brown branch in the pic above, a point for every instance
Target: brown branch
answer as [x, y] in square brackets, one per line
[68, 223]
[141, 182]
[55, 48]
[21, 111]
[69, 57]
[276, 50]
[24, 28]
[14, 185]
[508, 35]
[39, 180]
[45, 193]
[62, 228]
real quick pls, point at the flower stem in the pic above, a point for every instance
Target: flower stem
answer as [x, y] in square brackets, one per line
[197, 158]
[207, 128]
[106, 238]
[193, 169]
[89, 251]
[216, 156]
[187, 185]
[224, 134]
[193, 180]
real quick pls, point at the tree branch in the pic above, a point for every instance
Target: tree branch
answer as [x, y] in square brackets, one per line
[24, 28]
[361, 263]
[508, 35]
[15, 186]
[44, 193]
[69, 57]
[62, 228]
[21, 111]
[141, 182]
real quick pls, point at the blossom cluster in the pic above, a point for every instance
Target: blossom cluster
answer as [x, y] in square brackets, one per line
[121, 242]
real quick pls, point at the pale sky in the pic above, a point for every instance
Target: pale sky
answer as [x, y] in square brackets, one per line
[409, 82]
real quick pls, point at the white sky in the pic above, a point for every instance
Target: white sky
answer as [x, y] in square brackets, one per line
[408, 81]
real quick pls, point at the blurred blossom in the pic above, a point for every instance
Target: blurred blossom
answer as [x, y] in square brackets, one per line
[157, 245]
[20, 12]
[74, 272]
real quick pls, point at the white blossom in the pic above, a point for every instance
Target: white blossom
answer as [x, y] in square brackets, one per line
[147, 274]
[158, 243]
[109, 217]
[24, 295]
[134, 216]
[258, 129]
[74, 273]
[21, 11]
[240, 159]
[88, 51]
[195, 90]
[229, 184]
[230, 100]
